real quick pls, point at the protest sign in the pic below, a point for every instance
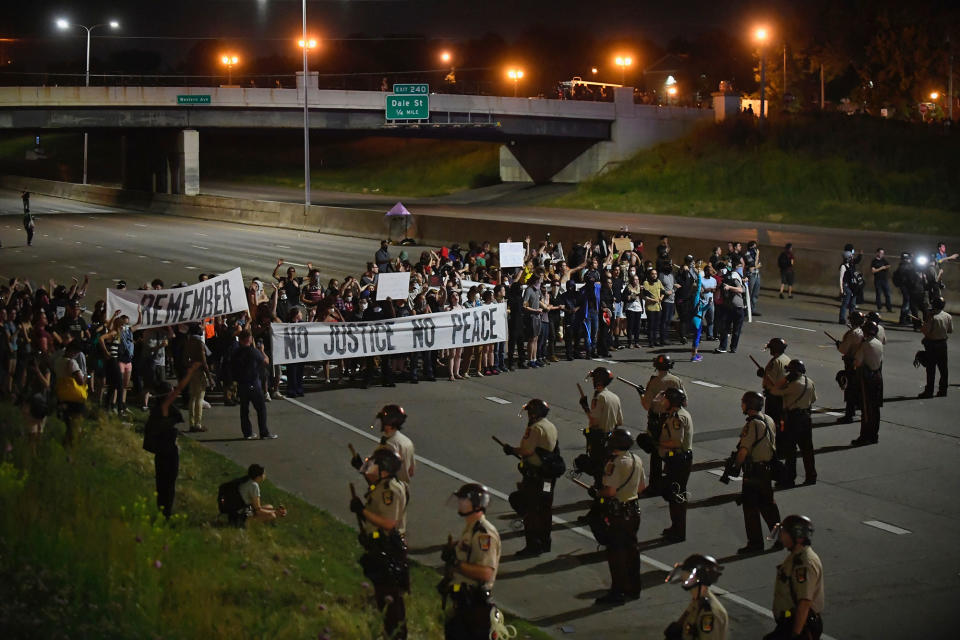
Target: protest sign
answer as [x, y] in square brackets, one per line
[318, 341]
[623, 244]
[511, 254]
[217, 296]
[393, 285]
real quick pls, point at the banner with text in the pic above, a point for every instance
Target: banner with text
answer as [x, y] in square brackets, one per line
[218, 296]
[315, 341]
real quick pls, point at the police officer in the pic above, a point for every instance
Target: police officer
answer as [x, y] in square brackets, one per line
[660, 381]
[705, 616]
[874, 316]
[392, 417]
[798, 394]
[622, 481]
[675, 448]
[869, 365]
[604, 413]
[847, 346]
[535, 490]
[473, 561]
[798, 590]
[936, 326]
[382, 516]
[772, 374]
[755, 453]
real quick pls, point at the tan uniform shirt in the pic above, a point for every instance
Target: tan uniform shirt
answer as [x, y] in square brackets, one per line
[799, 394]
[869, 354]
[605, 412]
[656, 384]
[775, 371]
[705, 619]
[387, 498]
[803, 572]
[758, 431]
[881, 334]
[479, 544]
[542, 434]
[850, 342]
[679, 428]
[624, 474]
[938, 326]
[404, 448]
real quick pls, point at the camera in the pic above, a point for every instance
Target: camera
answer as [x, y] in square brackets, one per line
[730, 469]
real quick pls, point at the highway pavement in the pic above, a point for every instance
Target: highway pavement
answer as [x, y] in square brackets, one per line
[886, 516]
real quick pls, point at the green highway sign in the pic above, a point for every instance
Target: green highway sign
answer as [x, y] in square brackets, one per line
[411, 89]
[193, 99]
[408, 107]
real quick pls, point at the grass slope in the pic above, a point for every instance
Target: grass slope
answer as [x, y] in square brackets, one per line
[856, 173]
[85, 554]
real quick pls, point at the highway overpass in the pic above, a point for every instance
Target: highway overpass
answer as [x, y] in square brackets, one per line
[543, 140]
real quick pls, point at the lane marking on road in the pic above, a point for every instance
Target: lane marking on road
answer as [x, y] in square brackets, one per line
[165, 261]
[883, 526]
[497, 400]
[835, 414]
[281, 246]
[191, 268]
[605, 361]
[137, 224]
[196, 246]
[756, 608]
[719, 472]
[205, 235]
[705, 384]
[786, 326]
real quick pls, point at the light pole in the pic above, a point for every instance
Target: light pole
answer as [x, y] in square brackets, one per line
[623, 62]
[761, 35]
[229, 60]
[516, 75]
[63, 24]
[305, 45]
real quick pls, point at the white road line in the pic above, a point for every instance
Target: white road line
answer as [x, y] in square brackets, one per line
[787, 326]
[137, 224]
[281, 246]
[499, 494]
[196, 246]
[205, 235]
[497, 400]
[883, 526]
[719, 472]
[605, 361]
[191, 268]
[705, 384]
[165, 261]
[835, 414]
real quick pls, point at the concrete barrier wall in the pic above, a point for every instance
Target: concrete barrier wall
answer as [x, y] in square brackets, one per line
[816, 274]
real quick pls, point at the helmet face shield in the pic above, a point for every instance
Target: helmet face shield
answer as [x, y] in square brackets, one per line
[775, 532]
[687, 578]
[370, 468]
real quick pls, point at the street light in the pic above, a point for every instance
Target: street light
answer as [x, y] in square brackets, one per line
[63, 24]
[760, 34]
[623, 62]
[229, 60]
[934, 95]
[445, 57]
[515, 75]
[305, 45]
[594, 70]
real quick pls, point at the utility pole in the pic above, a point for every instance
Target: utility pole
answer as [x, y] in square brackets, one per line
[950, 79]
[821, 86]
[784, 98]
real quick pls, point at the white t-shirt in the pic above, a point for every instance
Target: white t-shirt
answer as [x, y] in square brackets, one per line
[248, 491]
[709, 284]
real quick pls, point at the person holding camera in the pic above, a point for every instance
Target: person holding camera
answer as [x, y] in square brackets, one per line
[755, 454]
[250, 493]
[535, 489]
[730, 290]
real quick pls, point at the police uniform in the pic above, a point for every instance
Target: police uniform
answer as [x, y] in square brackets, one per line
[935, 331]
[385, 561]
[848, 349]
[798, 397]
[537, 491]
[704, 618]
[869, 363]
[655, 385]
[773, 373]
[677, 427]
[757, 491]
[800, 577]
[605, 415]
[623, 473]
[405, 449]
[479, 544]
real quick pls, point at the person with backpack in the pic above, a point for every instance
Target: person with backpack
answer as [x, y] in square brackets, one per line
[785, 262]
[249, 491]
[730, 291]
[851, 282]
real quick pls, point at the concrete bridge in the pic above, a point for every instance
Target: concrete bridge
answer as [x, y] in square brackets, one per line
[542, 140]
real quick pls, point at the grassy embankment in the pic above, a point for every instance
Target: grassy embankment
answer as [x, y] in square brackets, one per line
[84, 553]
[855, 173]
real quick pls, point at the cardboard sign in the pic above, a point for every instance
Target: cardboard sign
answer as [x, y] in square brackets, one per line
[511, 254]
[395, 286]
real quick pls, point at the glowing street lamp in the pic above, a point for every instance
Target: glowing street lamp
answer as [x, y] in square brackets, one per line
[445, 57]
[229, 60]
[63, 24]
[934, 95]
[594, 70]
[516, 75]
[760, 35]
[623, 62]
[309, 43]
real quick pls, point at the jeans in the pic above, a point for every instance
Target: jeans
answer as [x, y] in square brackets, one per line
[421, 364]
[882, 286]
[543, 339]
[592, 324]
[252, 393]
[666, 317]
[653, 327]
[295, 379]
[732, 324]
[633, 326]
[754, 291]
[847, 304]
[905, 308]
[709, 316]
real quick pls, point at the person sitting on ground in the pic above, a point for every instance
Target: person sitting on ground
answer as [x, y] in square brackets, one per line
[250, 492]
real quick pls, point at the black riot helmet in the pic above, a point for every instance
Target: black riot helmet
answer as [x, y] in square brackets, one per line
[776, 346]
[620, 439]
[688, 259]
[871, 329]
[937, 303]
[476, 494]
[752, 401]
[392, 415]
[873, 316]
[796, 367]
[796, 526]
[536, 409]
[387, 460]
[675, 397]
[856, 318]
[696, 570]
[601, 376]
[663, 362]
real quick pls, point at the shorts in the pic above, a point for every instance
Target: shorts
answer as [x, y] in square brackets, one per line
[618, 310]
[125, 367]
[786, 277]
[531, 325]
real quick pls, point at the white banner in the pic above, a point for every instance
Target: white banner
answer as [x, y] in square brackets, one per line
[393, 285]
[218, 296]
[511, 254]
[315, 341]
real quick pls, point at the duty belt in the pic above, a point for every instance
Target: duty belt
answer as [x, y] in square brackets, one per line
[795, 410]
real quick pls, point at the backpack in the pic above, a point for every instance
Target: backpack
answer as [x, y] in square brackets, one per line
[898, 278]
[783, 262]
[856, 281]
[230, 502]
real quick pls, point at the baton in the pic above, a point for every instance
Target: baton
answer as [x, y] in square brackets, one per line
[755, 362]
[353, 494]
[580, 483]
[353, 452]
[580, 389]
[632, 384]
[831, 337]
[503, 444]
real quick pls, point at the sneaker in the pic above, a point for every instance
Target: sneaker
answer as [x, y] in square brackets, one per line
[206, 405]
[249, 437]
[697, 358]
[268, 398]
[277, 395]
[271, 436]
[719, 350]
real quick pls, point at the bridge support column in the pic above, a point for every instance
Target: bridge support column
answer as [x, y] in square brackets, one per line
[161, 161]
[188, 162]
